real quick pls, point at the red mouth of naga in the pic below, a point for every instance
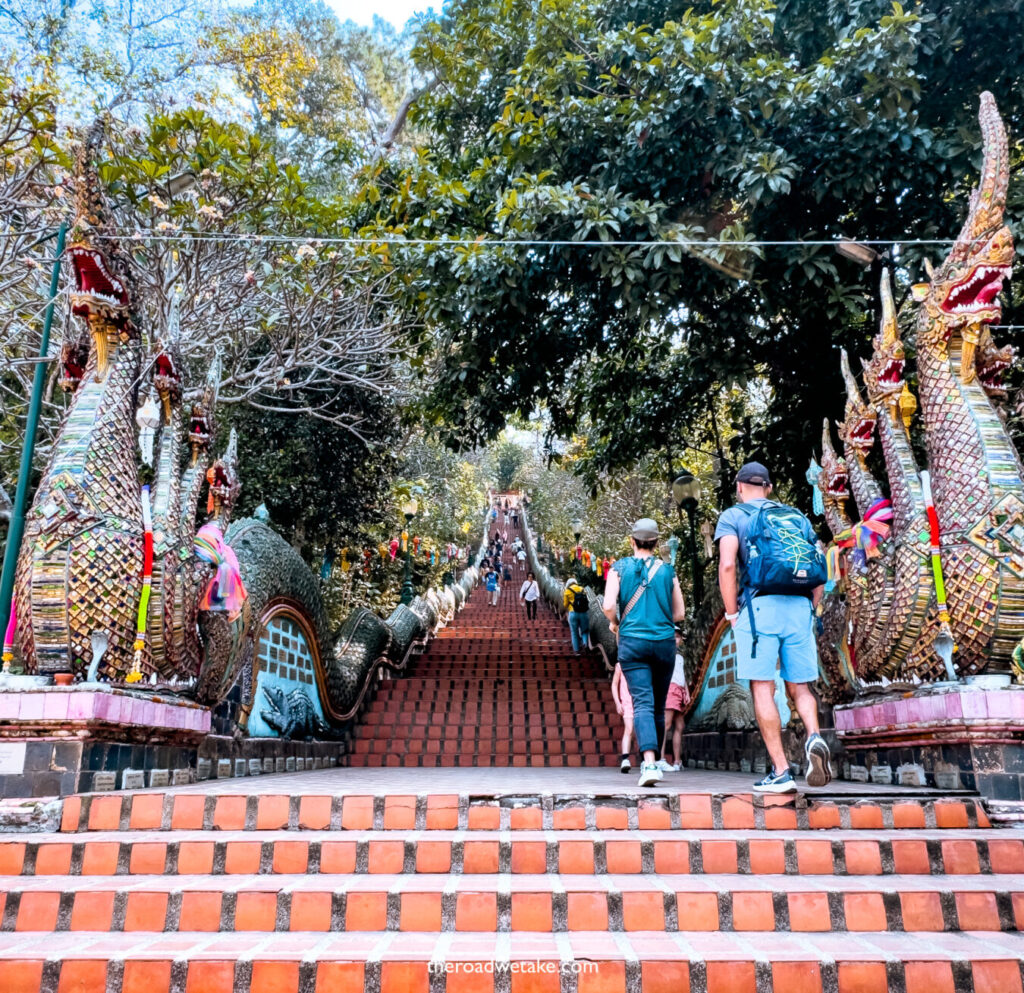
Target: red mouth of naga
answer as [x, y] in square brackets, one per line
[991, 374]
[977, 292]
[96, 289]
[863, 430]
[892, 374]
[838, 488]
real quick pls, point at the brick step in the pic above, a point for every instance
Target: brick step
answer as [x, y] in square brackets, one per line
[562, 747]
[424, 717]
[209, 810]
[452, 679]
[522, 653]
[500, 903]
[554, 642]
[498, 669]
[455, 701]
[463, 632]
[389, 962]
[501, 696]
[377, 736]
[471, 760]
[422, 712]
[520, 738]
[228, 852]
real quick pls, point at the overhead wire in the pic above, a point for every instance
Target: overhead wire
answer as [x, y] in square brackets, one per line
[483, 240]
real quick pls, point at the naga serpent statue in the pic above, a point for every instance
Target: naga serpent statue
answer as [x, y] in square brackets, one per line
[893, 618]
[113, 581]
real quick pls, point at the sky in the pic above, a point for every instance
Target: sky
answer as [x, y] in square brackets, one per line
[395, 11]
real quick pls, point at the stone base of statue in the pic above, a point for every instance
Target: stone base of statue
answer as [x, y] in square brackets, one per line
[56, 740]
[59, 740]
[964, 735]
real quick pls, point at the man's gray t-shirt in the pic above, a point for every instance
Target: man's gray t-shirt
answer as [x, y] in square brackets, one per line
[736, 521]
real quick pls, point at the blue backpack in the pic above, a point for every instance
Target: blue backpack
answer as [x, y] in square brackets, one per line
[779, 558]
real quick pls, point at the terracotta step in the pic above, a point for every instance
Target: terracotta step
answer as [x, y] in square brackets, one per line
[502, 903]
[526, 851]
[229, 810]
[793, 853]
[472, 759]
[390, 962]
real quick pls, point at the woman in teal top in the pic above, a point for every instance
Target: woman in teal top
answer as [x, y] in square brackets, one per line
[647, 644]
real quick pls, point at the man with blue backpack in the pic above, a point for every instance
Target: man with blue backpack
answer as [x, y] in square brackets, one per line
[771, 573]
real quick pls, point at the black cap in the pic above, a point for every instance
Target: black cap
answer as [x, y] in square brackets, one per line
[755, 474]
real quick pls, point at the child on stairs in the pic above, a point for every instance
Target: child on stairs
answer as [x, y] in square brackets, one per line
[624, 708]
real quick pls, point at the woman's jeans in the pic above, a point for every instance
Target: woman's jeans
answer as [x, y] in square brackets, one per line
[647, 667]
[579, 628]
[531, 609]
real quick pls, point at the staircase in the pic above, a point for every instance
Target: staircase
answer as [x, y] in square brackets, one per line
[494, 689]
[325, 890]
[515, 876]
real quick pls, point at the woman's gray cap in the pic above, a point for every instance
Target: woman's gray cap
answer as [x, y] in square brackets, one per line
[645, 530]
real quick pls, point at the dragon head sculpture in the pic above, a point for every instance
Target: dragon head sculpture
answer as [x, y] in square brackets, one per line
[834, 480]
[167, 361]
[858, 427]
[883, 373]
[991, 362]
[103, 294]
[74, 357]
[962, 294]
[200, 428]
[224, 483]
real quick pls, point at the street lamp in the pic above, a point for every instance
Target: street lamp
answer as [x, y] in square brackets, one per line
[686, 493]
[857, 252]
[409, 509]
[577, 530]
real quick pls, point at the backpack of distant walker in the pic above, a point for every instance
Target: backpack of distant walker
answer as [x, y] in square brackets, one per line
[580, 604]
[779, 557]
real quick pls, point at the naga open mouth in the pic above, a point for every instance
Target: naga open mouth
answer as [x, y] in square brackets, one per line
[97, 290]
[977, 292]
[991, 369]
[860, 432]
[838, 486]
[199, 429]
[892, 373]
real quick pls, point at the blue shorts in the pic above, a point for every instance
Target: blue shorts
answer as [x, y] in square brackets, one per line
[785, 635]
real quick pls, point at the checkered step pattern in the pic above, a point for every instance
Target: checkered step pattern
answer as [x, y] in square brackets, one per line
[276, 892]
[494, 689]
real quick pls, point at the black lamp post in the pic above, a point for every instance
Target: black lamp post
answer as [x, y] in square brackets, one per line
[686, 494]
[409, 509]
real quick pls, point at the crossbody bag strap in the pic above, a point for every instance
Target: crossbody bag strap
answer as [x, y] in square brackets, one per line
[635, 598]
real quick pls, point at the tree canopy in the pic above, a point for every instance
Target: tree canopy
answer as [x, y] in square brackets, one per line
[590, 132]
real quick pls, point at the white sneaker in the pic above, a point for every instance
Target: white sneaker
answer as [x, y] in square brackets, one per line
[624, 765]
[649, 774]
[666, 766]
